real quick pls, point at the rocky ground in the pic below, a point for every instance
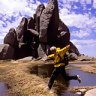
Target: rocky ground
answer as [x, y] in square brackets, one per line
[22, 82]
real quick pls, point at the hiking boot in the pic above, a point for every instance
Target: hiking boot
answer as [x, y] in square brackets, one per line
[78, 78]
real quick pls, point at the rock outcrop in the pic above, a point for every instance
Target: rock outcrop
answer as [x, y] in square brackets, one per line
[37, 16]
[64, 35]
[11, 38]
[21, 29]
[6, 52]
[49, 21]
[73, 49]
[35, 35]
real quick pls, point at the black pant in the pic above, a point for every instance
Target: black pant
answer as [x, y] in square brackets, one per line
[56, 72]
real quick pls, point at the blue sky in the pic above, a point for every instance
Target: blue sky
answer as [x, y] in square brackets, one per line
[78, 15]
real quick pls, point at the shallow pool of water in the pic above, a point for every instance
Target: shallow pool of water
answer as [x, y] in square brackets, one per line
[69, 94]
[88, 79]
[3, 89]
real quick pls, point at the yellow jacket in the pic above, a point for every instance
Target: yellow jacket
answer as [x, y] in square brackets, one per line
[57, 58]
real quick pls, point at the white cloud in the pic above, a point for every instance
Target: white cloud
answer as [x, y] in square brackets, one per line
[78, 20]
[90, 42]
[85, 22]
[1, 41]
[87, 47]
[1, 37]
[1, 24]
[94, 1]
[94, 5]
[14, 24]
[81, 1]
[16, 9]
[89, 1]
[75, 7]
[64, 1]
[17, 6]
[80, 34]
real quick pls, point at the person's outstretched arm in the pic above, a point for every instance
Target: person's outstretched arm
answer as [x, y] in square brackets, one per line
[64, 50]
[51, 56]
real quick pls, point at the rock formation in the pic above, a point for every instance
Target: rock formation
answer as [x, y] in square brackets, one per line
[11, 38]
[21, 29]
[6, 52]
[35, 35]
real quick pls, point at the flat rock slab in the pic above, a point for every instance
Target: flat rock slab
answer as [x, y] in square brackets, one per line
[29, 58]
[91, 92]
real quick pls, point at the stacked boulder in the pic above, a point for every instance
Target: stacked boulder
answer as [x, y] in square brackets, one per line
[35, 35]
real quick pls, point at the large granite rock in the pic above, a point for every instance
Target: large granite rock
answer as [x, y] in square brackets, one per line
[24, 50]
[31, 23]
[43, 51]
[73, 56]
[73, 49]
[21, 29]
[37, 15]
[34, 36]
[49, 20]
[11, 38]
[53, 24]
[29, 36]
[64, 35]
[6, 52]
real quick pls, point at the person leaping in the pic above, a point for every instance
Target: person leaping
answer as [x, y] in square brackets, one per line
[59, 66]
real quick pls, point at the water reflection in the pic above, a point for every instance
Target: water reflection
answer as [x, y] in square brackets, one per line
[3, 89]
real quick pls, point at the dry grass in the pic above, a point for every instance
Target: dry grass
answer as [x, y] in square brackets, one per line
[21, 82]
